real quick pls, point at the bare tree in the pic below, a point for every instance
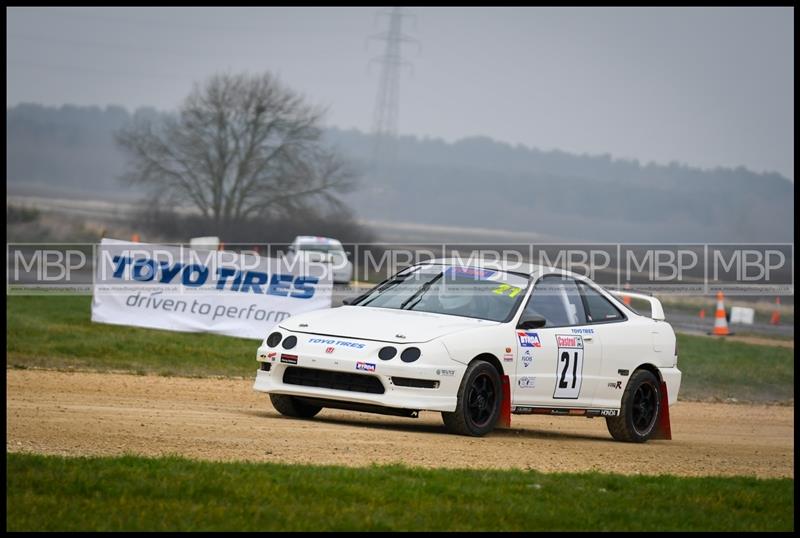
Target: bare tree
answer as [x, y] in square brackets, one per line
[240, 146]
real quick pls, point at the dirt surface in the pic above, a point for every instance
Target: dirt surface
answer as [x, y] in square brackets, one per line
[222, 419]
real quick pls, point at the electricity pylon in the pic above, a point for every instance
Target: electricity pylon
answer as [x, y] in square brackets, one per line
[384, 118]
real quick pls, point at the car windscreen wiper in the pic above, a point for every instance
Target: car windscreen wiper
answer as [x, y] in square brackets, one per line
[383, 287]
[420, 292]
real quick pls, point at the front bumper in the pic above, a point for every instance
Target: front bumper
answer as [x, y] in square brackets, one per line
[447, 372]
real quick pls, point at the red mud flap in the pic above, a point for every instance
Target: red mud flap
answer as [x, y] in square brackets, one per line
[663, 429]
[505, 405]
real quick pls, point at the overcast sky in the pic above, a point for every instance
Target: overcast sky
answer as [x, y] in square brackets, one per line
[706, 87]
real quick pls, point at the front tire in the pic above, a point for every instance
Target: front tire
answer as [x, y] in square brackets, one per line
[641, 405]
[293, 407]
[479, 398]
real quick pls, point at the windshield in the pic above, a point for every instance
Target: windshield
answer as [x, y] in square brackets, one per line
[321, 248]
[446, 289]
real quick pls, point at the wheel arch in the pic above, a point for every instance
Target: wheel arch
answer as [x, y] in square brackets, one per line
[491, 359]
[651, 368]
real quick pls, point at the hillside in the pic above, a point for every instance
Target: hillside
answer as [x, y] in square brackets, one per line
[475, 182]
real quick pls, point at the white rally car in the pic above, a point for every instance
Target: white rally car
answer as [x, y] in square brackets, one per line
[478, 343]
[310, 249]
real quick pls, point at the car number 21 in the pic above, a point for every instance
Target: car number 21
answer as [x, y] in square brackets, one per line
[569, 366]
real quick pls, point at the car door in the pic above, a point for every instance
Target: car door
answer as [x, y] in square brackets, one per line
[558, 364]
[621, 345]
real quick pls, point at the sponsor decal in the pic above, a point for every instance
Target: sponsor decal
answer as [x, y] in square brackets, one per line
[508, 357]
[288, 359]
[446, 373]
[613, 385]
[564, 411]
[527, 360]
[366, 366]
[527, 339]
[329, 349]
[469, 272]
[569, 366]
[513, 291]
[569, 341]
[508, 350]
[622, 372]
[583, 330]
[527, 382]
[272, 355]
[337, 343]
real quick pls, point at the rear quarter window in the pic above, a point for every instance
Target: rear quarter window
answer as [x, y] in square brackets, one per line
[598, 308]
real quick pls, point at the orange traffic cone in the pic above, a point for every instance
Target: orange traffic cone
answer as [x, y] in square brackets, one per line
[221, 246]
[135, 238]
[776, 315]
[720, 322]
[626, 299]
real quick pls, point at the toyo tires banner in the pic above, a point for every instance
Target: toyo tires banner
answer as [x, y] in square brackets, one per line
[181, 289]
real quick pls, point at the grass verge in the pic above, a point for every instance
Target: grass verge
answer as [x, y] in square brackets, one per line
[133, 493]
[720, 369]
[55, 332]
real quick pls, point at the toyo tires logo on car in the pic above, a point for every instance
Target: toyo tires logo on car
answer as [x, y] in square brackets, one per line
[339, 343]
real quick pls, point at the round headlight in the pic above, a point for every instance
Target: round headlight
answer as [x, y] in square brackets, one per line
[410, 354]
[274, 339]
[387, 353]
[290, 342]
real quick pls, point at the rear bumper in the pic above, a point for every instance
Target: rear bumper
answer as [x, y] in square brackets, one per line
[672, 377]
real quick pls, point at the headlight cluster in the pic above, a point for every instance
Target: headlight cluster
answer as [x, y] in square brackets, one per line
[274, 339]
[409, 354]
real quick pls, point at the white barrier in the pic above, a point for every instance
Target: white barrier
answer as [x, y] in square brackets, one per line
[181, 289]
[743, 315]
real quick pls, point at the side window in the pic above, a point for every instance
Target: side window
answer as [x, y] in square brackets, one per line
[598, 307]
[557, 300]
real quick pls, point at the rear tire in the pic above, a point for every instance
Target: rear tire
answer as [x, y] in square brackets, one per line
[293, 407]
[641, 406]
[479, 398]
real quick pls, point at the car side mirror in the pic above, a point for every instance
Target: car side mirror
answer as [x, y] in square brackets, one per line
[531, 322]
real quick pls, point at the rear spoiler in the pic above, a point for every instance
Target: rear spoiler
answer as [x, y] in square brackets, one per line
[656, 310]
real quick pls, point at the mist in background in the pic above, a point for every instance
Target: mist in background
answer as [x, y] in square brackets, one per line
[668, 124]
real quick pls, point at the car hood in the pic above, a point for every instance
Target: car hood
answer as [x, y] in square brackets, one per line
[384, 324]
